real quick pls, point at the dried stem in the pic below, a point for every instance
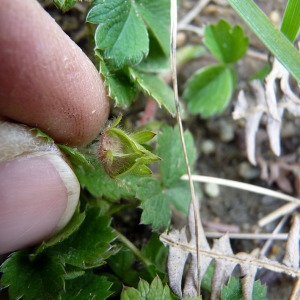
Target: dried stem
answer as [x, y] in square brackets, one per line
[175, 87]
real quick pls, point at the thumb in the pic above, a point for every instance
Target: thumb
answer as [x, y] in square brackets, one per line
[38, 189]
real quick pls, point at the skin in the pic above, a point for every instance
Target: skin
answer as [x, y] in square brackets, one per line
[46, 81]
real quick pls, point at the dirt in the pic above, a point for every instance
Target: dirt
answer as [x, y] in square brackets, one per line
[230, 206]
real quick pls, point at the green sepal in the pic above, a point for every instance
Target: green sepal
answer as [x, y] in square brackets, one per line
[122, 153]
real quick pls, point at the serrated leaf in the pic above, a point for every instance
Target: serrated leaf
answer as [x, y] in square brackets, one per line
[156, 61]
[156, 88]
[156, 14]
[227, 43]
[119, 86]
[121, 32]
[99, 184]
[233, 290]
[69, 229]
[209, 90]
[90, 245]
[38, 279]
[169, 149]
[155, 203]
[155, 290]
[87, 287]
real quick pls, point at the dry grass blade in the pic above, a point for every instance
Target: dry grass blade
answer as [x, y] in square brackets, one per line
[179, 122]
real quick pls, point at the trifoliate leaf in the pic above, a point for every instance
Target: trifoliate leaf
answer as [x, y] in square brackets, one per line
[155, 204]
[87, 287]
[209, 90]
[148, 292]
[41, 278]
[90, 245]
[156, 88]
[119, 86]
[121, 32]
[172, 165]
[233, 290]
[227, 43]
[70, 228]
[121, 153]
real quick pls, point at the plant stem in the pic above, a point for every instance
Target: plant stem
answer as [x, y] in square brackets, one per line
[123, 239]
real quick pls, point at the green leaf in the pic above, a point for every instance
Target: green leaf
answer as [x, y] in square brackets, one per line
[148, 292]
[156, 88]
[156, 252]
[172, 165]
[87, 287]
[122, 265]
[156, 14]
[99, 184]
[233, 290]
[38, 279]
[90, 246]
[155, 203]
[121, 32]
[180, 195]
[69, 229]
[64, 5]
[209, 90]
[262, 73]
[74, 155]
[156, 61]
[227, 43]
[291, 20]
[274, 40]
[119, 86]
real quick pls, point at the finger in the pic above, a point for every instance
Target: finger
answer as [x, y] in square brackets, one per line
[46, 81]
[38, 189]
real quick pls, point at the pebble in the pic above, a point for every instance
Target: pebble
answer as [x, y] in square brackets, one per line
[226, 132]
[211, 189]
[208, 147]
[247, 171]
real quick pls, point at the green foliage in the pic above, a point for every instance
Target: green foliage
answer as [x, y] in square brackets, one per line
[38, 279]
[158, 196]
[122, 32]
[233, 290]
[146, 291]
[88, 287]
[210, 89]
[227, 43]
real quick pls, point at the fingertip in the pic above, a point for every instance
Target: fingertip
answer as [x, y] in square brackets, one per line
[46, 80]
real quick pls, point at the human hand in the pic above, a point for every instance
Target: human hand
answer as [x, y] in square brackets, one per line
[46, 81]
